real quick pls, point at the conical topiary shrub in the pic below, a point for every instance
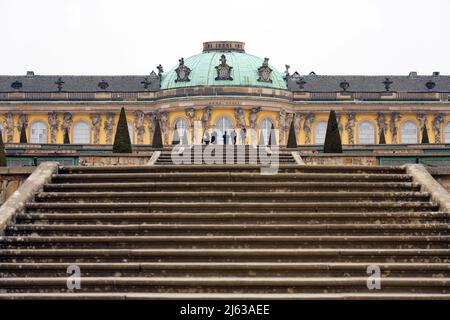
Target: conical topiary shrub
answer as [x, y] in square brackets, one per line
[382, 139]
[2, 151]
[272, 139]
[425, 139]
[333, 142]
[175, 136]
[292, 139]
[66, 136]
[23, 134]
[157, 137]
[122, 142]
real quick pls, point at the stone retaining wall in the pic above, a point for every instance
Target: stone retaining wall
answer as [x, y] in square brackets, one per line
[114, 159]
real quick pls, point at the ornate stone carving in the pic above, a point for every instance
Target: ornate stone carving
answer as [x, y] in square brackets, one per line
[109, 127]
[253, 117]
[299, 116]
[59, 84]
[344, 85]
[103, 85]
[151, 116]
[146, 83]
[395, 117]
[240, 117]
[96, 122]
[265, 71]
[9, 127]
[160, 70]
[350, 127]
[182, 72]
[67, 121]
[139, 127]
[422, 117]
[190, 114]
[53, 122]
[206, 116]
[307, 127]
[381, 122]
[286, 72]
[223, 69]
[437, 121]
[163, 118]
[387, 84]
[282, 125]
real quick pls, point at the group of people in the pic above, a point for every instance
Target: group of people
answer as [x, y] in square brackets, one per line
[227, 137]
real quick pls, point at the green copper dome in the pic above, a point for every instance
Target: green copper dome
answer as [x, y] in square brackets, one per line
[244, 71]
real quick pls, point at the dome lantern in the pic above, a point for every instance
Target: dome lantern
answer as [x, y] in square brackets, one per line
[224, 46]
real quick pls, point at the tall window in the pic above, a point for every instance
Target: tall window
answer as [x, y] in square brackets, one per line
[2, 132]
[224, 127]
[265, 128]
[366, 133]
[447, 133]
[81, 133]
[409, 132]
[131, 131]
[319, 132]
[182, 131]
[38, 132]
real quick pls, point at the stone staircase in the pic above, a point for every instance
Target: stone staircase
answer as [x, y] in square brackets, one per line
[227, 231]
[240, 154]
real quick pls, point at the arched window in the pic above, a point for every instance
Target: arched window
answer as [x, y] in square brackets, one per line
[131, 131]
[265, 128]
[38, 132]
[224, 128]
[181, 134]
[409, 132]
[366, 133]
[81, 133]
[319, 132]
[447, 133]
[2, 132]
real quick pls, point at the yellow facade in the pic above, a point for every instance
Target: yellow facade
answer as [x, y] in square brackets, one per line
[228, 111]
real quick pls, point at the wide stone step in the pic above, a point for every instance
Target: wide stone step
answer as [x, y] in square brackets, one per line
[227, 255]
[195, 196]
[172, 206]
[205, 175]
[237, 186]
[254, 269]
[228, 229]
[208, 241]
[234, 169]
[222, 296]
[229, 284]
[237, 217]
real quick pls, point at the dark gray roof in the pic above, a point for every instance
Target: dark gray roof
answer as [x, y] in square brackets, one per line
[80, 83]
[312, 83]
[325, 83]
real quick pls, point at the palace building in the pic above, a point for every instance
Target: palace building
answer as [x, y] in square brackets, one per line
[225, 87]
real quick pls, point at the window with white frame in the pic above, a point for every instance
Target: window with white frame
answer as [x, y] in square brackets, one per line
[265, 128]
[181, 129]
[81, 133]
[38, 132]
[447, 132]
[319, 132]
[131, 131]
[366, 133]
[409, 133]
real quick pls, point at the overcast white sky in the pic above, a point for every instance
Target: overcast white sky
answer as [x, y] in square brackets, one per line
[105, 37]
